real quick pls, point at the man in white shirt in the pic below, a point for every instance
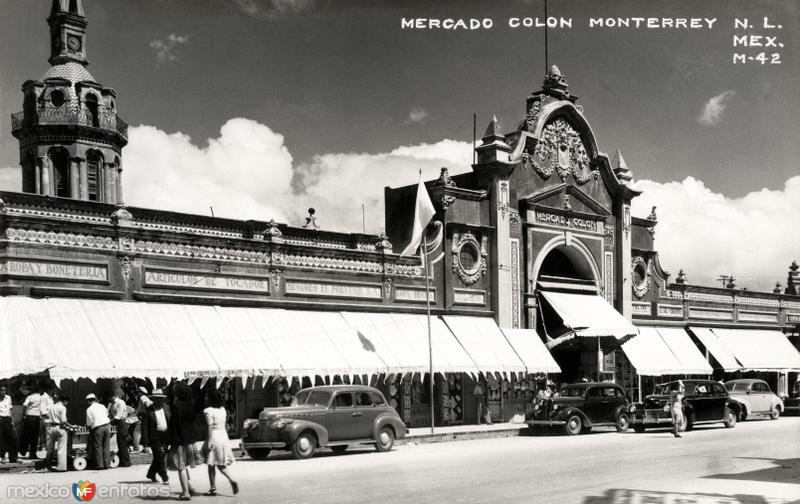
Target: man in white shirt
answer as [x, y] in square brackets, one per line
[57, 426]
[44, 409]
[99, 433]
[8, 434]
[31, 423]
[117, 411]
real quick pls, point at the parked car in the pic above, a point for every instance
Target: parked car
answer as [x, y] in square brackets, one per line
[704, 402]
[333, 416]
[580, 406]
[755, 397]
[791, 404]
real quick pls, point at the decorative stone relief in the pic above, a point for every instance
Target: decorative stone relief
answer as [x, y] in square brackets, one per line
[515, 283]
[532, 115]
[626, 220]
[276, 276]
[273, 233]
[383, 245]
[608, 235]
[445, 180]
[125, 243]
[387, 288]
[514, 221]
[560, 149]
[640, 274]
[125, 267]
[468, 257]
[121, 215]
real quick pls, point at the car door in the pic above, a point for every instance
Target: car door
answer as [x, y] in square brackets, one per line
[761, 397]
[701, 396]
[368, 410]
[343, 417]
[593, 404]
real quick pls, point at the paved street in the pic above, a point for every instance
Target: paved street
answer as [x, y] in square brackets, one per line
[757, 461]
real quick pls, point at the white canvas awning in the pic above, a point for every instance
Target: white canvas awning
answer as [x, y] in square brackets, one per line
[485, 343]
[760, 350]
[587, 315]
[531, 350]
[650, 355]
[691, 360]
[716, 348]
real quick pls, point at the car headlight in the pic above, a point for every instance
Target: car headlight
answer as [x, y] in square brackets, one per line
[555, 407]
[249, 423]
[280, 423]
[632, 408]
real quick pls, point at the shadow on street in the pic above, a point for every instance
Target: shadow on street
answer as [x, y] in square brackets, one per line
[784, 471]
[624, 495]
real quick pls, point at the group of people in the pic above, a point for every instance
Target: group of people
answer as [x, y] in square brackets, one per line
[165, 429]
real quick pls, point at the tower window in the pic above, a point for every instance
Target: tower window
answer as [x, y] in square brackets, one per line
[57, 98]
[93, 164]
[60, 162]
[92, 109]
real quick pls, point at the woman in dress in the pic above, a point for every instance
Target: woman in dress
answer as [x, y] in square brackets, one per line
[216, 449]
[182, 437]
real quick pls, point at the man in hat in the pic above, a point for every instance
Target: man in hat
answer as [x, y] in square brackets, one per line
[118, 414]
[99, 442]
[8, 434]
[57, 426]
[158, 418]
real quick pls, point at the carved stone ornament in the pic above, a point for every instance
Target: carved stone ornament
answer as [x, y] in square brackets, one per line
[560, 149]
[640, 275]
[125, 243]
[272, 232]
[514, 221]
[626, 220]
[387, 288]
[2, 205]
[608, 234]
[532, 115]
[468, 257]
[444, 180]
[276, 280]
[125, 267]
[121, 215]
[383, 244]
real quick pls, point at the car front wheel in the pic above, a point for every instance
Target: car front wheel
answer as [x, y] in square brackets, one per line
[730, 418]
[304, 446]
[573, 425]
[775, 413]
[385, 439]
[257, 453]
[622, 422]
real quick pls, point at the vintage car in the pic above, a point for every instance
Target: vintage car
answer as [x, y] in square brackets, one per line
[332, 416]
[755, 397]
[580, 406]
[791, 404]
[704, 402]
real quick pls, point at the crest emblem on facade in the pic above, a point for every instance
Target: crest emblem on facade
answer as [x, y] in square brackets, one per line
[560, 149]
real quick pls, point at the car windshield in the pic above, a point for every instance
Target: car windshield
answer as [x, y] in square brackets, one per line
[741, 387]
[573, 391]
[312, 398]
[663, 389]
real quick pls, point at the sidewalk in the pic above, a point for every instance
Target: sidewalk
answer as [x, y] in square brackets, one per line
[417, 435]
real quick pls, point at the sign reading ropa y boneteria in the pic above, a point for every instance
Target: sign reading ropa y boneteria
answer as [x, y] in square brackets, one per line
[58, 270]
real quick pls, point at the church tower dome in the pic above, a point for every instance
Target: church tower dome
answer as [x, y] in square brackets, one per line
[69, 133]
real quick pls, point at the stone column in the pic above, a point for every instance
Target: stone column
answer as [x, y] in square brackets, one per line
[108, 182]
[74, 177]
[84, 179]
[119, 183]
[37, 169]
[46, 177]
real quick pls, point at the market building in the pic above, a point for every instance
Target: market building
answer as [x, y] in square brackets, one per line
[536, 266]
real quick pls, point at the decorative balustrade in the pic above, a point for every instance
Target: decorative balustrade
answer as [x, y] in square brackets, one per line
[107, 120]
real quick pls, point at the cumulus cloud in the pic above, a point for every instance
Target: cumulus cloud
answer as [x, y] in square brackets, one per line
[248, 173]
[270, 8]
[714, 109]
[417, 115]
[167, 49]
[708, 234]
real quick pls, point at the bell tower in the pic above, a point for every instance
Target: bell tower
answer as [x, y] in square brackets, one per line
[69, 133]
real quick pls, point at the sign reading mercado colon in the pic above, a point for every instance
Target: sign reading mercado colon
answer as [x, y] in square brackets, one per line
[555, 219]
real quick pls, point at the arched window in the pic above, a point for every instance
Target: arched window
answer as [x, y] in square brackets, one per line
[60, 161]
[92, 109]
[94, 166]
[57, 98]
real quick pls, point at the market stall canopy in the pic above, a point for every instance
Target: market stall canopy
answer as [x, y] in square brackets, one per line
[531, 350]
[716, 348]
[650, 355]
[691, 360]
[760, 350]
[587, 315]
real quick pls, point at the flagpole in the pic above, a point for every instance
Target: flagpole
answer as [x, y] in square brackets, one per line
[428, 305]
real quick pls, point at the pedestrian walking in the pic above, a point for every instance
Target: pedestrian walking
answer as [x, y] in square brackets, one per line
[57, 426]
[8, 434]
[676, 408]
[143, 405]
[118, 415]
[31, 423]
[158, 417]
[216, 448]
[99, 442]
[182, 439]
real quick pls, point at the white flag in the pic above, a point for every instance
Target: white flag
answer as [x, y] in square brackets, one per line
[423, 213]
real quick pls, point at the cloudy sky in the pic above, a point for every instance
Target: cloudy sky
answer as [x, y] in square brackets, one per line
[263, 108]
